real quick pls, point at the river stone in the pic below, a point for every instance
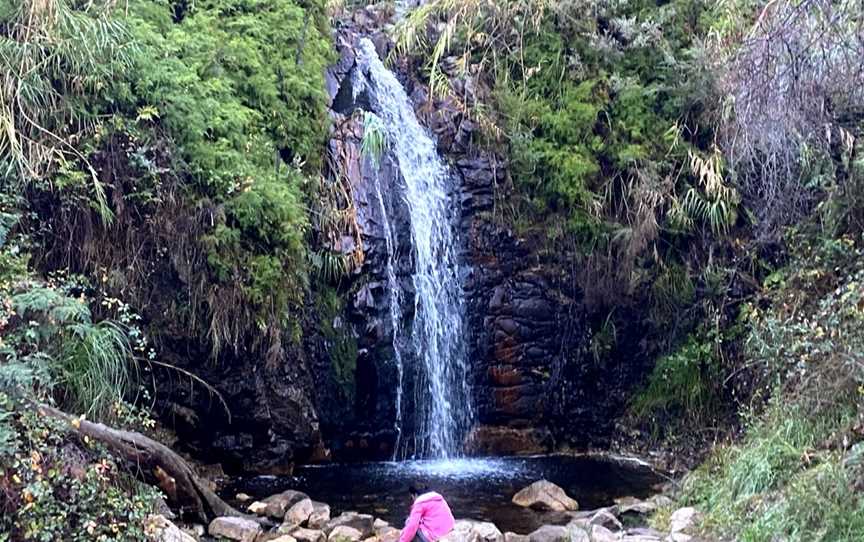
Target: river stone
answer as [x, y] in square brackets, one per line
[344, 533]
[275, 537]
[600, 533]
[387, 534]
[645, 532]
[361, 522]
[242, 529]
[320, 515]
[465, 530]
[684, 519]
[606, 518]
[544, 495]
[299, 512]
[550, 533]
[242, 497]
[303, 535]
[513, 537]
[277, 505]
[161, 529]
[578, 534]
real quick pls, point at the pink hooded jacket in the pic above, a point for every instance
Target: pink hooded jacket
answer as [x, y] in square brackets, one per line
[431, 515]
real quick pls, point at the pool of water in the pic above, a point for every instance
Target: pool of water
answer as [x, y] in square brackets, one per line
[474, 488]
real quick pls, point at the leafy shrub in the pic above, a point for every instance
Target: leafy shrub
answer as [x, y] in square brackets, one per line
[684, 386]
[55, 487]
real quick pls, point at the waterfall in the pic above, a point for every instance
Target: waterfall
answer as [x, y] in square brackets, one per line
[396, 315]
[442, 408]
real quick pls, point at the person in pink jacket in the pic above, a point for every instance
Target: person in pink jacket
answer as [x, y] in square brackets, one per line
[430, 517]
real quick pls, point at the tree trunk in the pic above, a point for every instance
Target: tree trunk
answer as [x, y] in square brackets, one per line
[154, 464]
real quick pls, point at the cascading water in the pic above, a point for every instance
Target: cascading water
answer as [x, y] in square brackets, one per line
[390, 243]
[443, 409]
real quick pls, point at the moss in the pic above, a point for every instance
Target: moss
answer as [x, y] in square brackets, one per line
[340, 342]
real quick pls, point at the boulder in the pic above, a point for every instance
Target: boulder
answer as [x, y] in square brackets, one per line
[233, 528]
[277, 505]
[320, 515]
[550, 533]
[684, 520]
[600, 533]
[513, 537]
[544, 495]
[362, 522]
[161, 529]
[300, 511]
[379, 524]
[344, 533]
[304, 535]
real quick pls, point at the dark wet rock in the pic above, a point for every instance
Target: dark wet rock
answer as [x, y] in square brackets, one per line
[487, 440]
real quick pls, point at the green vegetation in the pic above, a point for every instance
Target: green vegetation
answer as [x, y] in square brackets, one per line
[157, 156]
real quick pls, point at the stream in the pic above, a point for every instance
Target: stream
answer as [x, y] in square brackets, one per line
[475, 488]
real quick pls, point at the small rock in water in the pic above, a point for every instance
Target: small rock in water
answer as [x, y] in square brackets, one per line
[684, 519]
[258, 508]
[320, 515]
[242, 497]
[544, 495]
[550, 533]
[299, 512]
[244, 530]
[344, 533]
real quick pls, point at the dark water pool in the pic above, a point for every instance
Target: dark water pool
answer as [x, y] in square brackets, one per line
[475, 488]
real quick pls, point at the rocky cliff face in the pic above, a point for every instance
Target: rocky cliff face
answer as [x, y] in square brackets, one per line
[535, 386]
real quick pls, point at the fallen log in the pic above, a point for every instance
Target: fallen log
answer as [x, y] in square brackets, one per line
[156, 464]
